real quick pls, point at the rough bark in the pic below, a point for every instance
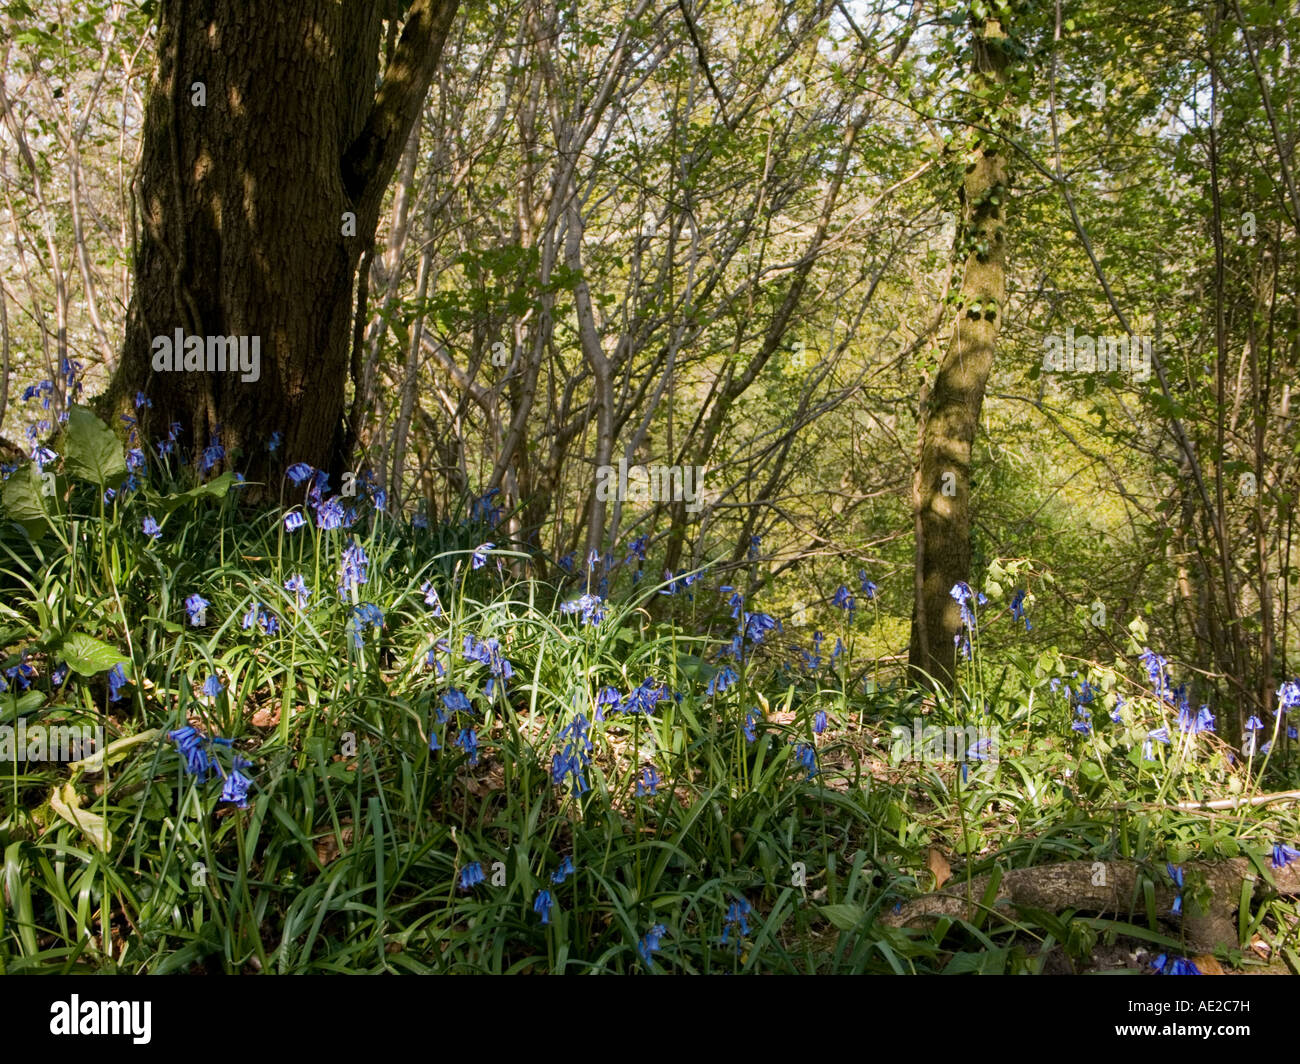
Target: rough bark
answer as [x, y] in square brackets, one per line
[242, 205]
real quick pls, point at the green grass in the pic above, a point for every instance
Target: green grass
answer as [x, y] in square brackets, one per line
[348, 853]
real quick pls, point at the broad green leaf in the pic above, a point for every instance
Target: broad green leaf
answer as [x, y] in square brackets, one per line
[845, 917]
[90, 450]
[87, 656]
[215, 489]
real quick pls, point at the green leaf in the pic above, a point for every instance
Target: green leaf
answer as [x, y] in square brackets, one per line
[91, 451]
[215, 489]
[87, 656]
[23, 503]
[845, 917]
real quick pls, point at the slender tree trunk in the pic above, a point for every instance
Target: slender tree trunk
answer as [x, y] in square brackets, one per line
[942, 495]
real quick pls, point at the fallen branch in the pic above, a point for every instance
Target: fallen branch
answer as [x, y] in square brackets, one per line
[1106, 888]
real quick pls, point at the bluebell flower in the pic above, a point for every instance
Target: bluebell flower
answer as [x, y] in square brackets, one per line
[331, 515]
[757, 626]
[962, 595]
[806, 756]
[471, 875]
[420, 521]
[236, 786]
[363, 614]
[431, 598]
[250, 618]
[433, 740]
[273, 444]
[1203, 721]
[301, 592]
[195, 607]
[566, 562]
[1254, 723]
[843, 599]
[478, 558]
[722, 680]
[269, 623]
[751, 718]
[212, 454]
[1018, 608]
[353, 568]
[150, 528]
[649, 782]
[590, 606]
[298, 472]
[819, 722]
[1283, 854]
[59, 674]
[564, 870]
[1159, 735]
[191, 744]
[1165, 965]
[42, 456]
[649, 944]
[1114, 713]
[542, 905]
[608, 697]
[212, 687]
[456, 701]
[22, 674]
[293, 521]
[143, 400]
[468, 741]
[869, 588]
[116, 681]
[737, 912]
[643, 699]
[1176, 874]
[1288, 696]
[1155, 666]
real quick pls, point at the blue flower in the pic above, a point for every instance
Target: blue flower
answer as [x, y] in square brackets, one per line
[433, 740]
[22, 674]
[1203, 721]
[236, 786]
[478, 558]
[142, 400]
[331, 515]
[564, 871]
[962, 595]
[135, 459]
[806, 756]
[722, 680]
[116, 681]
[364, 613]
[195, 607]
[456, 701]
[1283, 855]
[819, 722]
[250, 618]
[353, 568]
[212, 687]
[1288, 696]
[1176, 874]
[649, 781]
[1159, 735]
[649, 944]
[468, 741]
[751, 718]
[471, 875]
[590, 606]
[869, 588]
[191, 745]
[298, 472]
[737, 912]
[542, 905]
[1254, 723]
[1165, 965]
[608, 697]
[843, 599]
[298, 586]
[643, 699]
[150, 528]
[431, 598]
[273, 444]
[757, 625]
[269, 623]
[212, 454]
[1018, 608]
[293, 521]
[1155, 666]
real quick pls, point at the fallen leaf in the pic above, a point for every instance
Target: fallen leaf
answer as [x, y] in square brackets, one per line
[938, 864]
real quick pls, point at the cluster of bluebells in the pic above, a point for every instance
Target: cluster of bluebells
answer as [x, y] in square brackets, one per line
[200, 761]
[574, 760]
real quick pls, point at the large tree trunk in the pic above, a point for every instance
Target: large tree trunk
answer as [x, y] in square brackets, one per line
[942, 489]
[256, 201]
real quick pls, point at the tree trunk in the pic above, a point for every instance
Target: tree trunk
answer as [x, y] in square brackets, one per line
[266, 153]
[942, 495]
